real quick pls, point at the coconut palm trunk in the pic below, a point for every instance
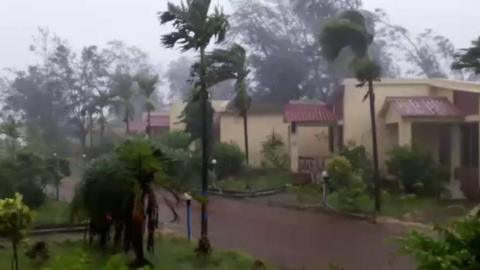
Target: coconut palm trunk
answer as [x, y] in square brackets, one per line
[371, 96]
[203, 100]
[149, 125]
[102, 128]
[245, 135]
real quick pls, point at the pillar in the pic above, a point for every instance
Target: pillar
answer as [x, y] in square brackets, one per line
[455, 160]
[404, 133]
[293, 147]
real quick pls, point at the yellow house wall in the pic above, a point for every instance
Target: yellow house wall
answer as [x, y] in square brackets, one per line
[312, 140]
[357, 126]
[176, 110]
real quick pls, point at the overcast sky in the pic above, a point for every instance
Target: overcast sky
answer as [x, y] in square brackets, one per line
[86, 22]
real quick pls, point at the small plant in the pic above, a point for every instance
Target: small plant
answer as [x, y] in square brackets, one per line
[417, 171]
[455, 247]
[230, 160]
[358, 157]
[38, 250]
[15, 218]
[274, 152]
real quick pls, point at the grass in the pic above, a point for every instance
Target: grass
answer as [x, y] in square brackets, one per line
[406, 207]
[52, 212]
[258, 180]
[170, 253]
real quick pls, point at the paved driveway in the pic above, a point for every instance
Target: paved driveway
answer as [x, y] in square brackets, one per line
[298, 239]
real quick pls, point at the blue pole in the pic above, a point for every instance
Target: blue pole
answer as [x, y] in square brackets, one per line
[189, 220]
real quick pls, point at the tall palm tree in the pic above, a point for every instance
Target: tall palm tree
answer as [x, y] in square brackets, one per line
[232, 64]
[102, 100]
[469, 58]
[123, 89]
[147, 85]
[194, 29]
[349, 30]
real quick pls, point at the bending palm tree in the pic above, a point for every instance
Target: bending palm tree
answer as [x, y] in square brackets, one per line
[469, 58]
[232, 64]
[147, 85]
[194, 28]
[349, 31]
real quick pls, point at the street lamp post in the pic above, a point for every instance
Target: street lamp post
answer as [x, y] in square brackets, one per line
[188, 199]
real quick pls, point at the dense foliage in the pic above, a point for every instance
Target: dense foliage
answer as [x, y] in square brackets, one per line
[229, 158]
[15, 218]
[347, 183]
[417, 171]
[274, 152]
[453, 247]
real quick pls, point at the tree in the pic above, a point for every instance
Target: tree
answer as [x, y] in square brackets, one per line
[59, 168]
[232, 64]
[349, 30]
[147, 85]
[119, 191]
[10, 129]
[122, 86]
[194, 28]
[469, 58]
[15, 218]
[178, 76]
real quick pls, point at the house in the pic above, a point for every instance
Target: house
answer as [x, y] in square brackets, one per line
[441, 115]
[159, 124]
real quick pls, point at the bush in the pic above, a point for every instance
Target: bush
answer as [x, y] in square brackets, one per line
[229, 159]
[274, 152]
[358, 157]
[417, 171]
[347, 183]
[455, 247]
[175, 140]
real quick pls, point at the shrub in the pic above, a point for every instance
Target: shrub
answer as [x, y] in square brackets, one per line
[229, 159]
[455, 247]
[347, 183]
[175, 140]
[358, 157]
[417, 171]
[274, 152]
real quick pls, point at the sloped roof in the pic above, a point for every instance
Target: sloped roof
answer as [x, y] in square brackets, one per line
[309, 113]
[421, 106]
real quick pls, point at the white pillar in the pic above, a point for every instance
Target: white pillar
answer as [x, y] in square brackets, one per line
[293, 148]
[404, 133]
[455, 142]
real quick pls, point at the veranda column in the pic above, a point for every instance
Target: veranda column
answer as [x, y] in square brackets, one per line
[455, 144]
[293, 147]
[404, 133]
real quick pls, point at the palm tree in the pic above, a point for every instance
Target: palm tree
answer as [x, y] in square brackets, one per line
[123, 89]
[194, 28]
[349, 30]
[469, 58]
[232, 64]
[147, 85]
[102, 100]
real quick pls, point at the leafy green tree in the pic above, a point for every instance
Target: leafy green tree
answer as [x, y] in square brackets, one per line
[147, 85]
[349, 30]
[194, 29]
[469, 58]
[15, 218]
[60, 169]
[232, 64]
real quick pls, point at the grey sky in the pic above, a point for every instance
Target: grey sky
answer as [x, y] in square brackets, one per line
[87, 22]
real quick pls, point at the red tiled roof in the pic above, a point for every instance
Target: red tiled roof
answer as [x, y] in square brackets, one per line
[422, 106]
[308, 113]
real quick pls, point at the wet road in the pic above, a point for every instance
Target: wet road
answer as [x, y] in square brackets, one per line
[299, 239]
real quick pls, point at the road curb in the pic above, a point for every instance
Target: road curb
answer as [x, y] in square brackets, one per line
[243, 194]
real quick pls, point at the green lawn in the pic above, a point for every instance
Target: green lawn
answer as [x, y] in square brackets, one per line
[404, 207]
[258, 180]
[171, 253]
[52, 212]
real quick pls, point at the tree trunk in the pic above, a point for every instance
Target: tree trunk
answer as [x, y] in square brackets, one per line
[245, 132]
[102, 128]
[149, 127]
[83, 141]
[204, 243]
[127, 125]
[376, 177]
[90, 127]
[15, 256]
